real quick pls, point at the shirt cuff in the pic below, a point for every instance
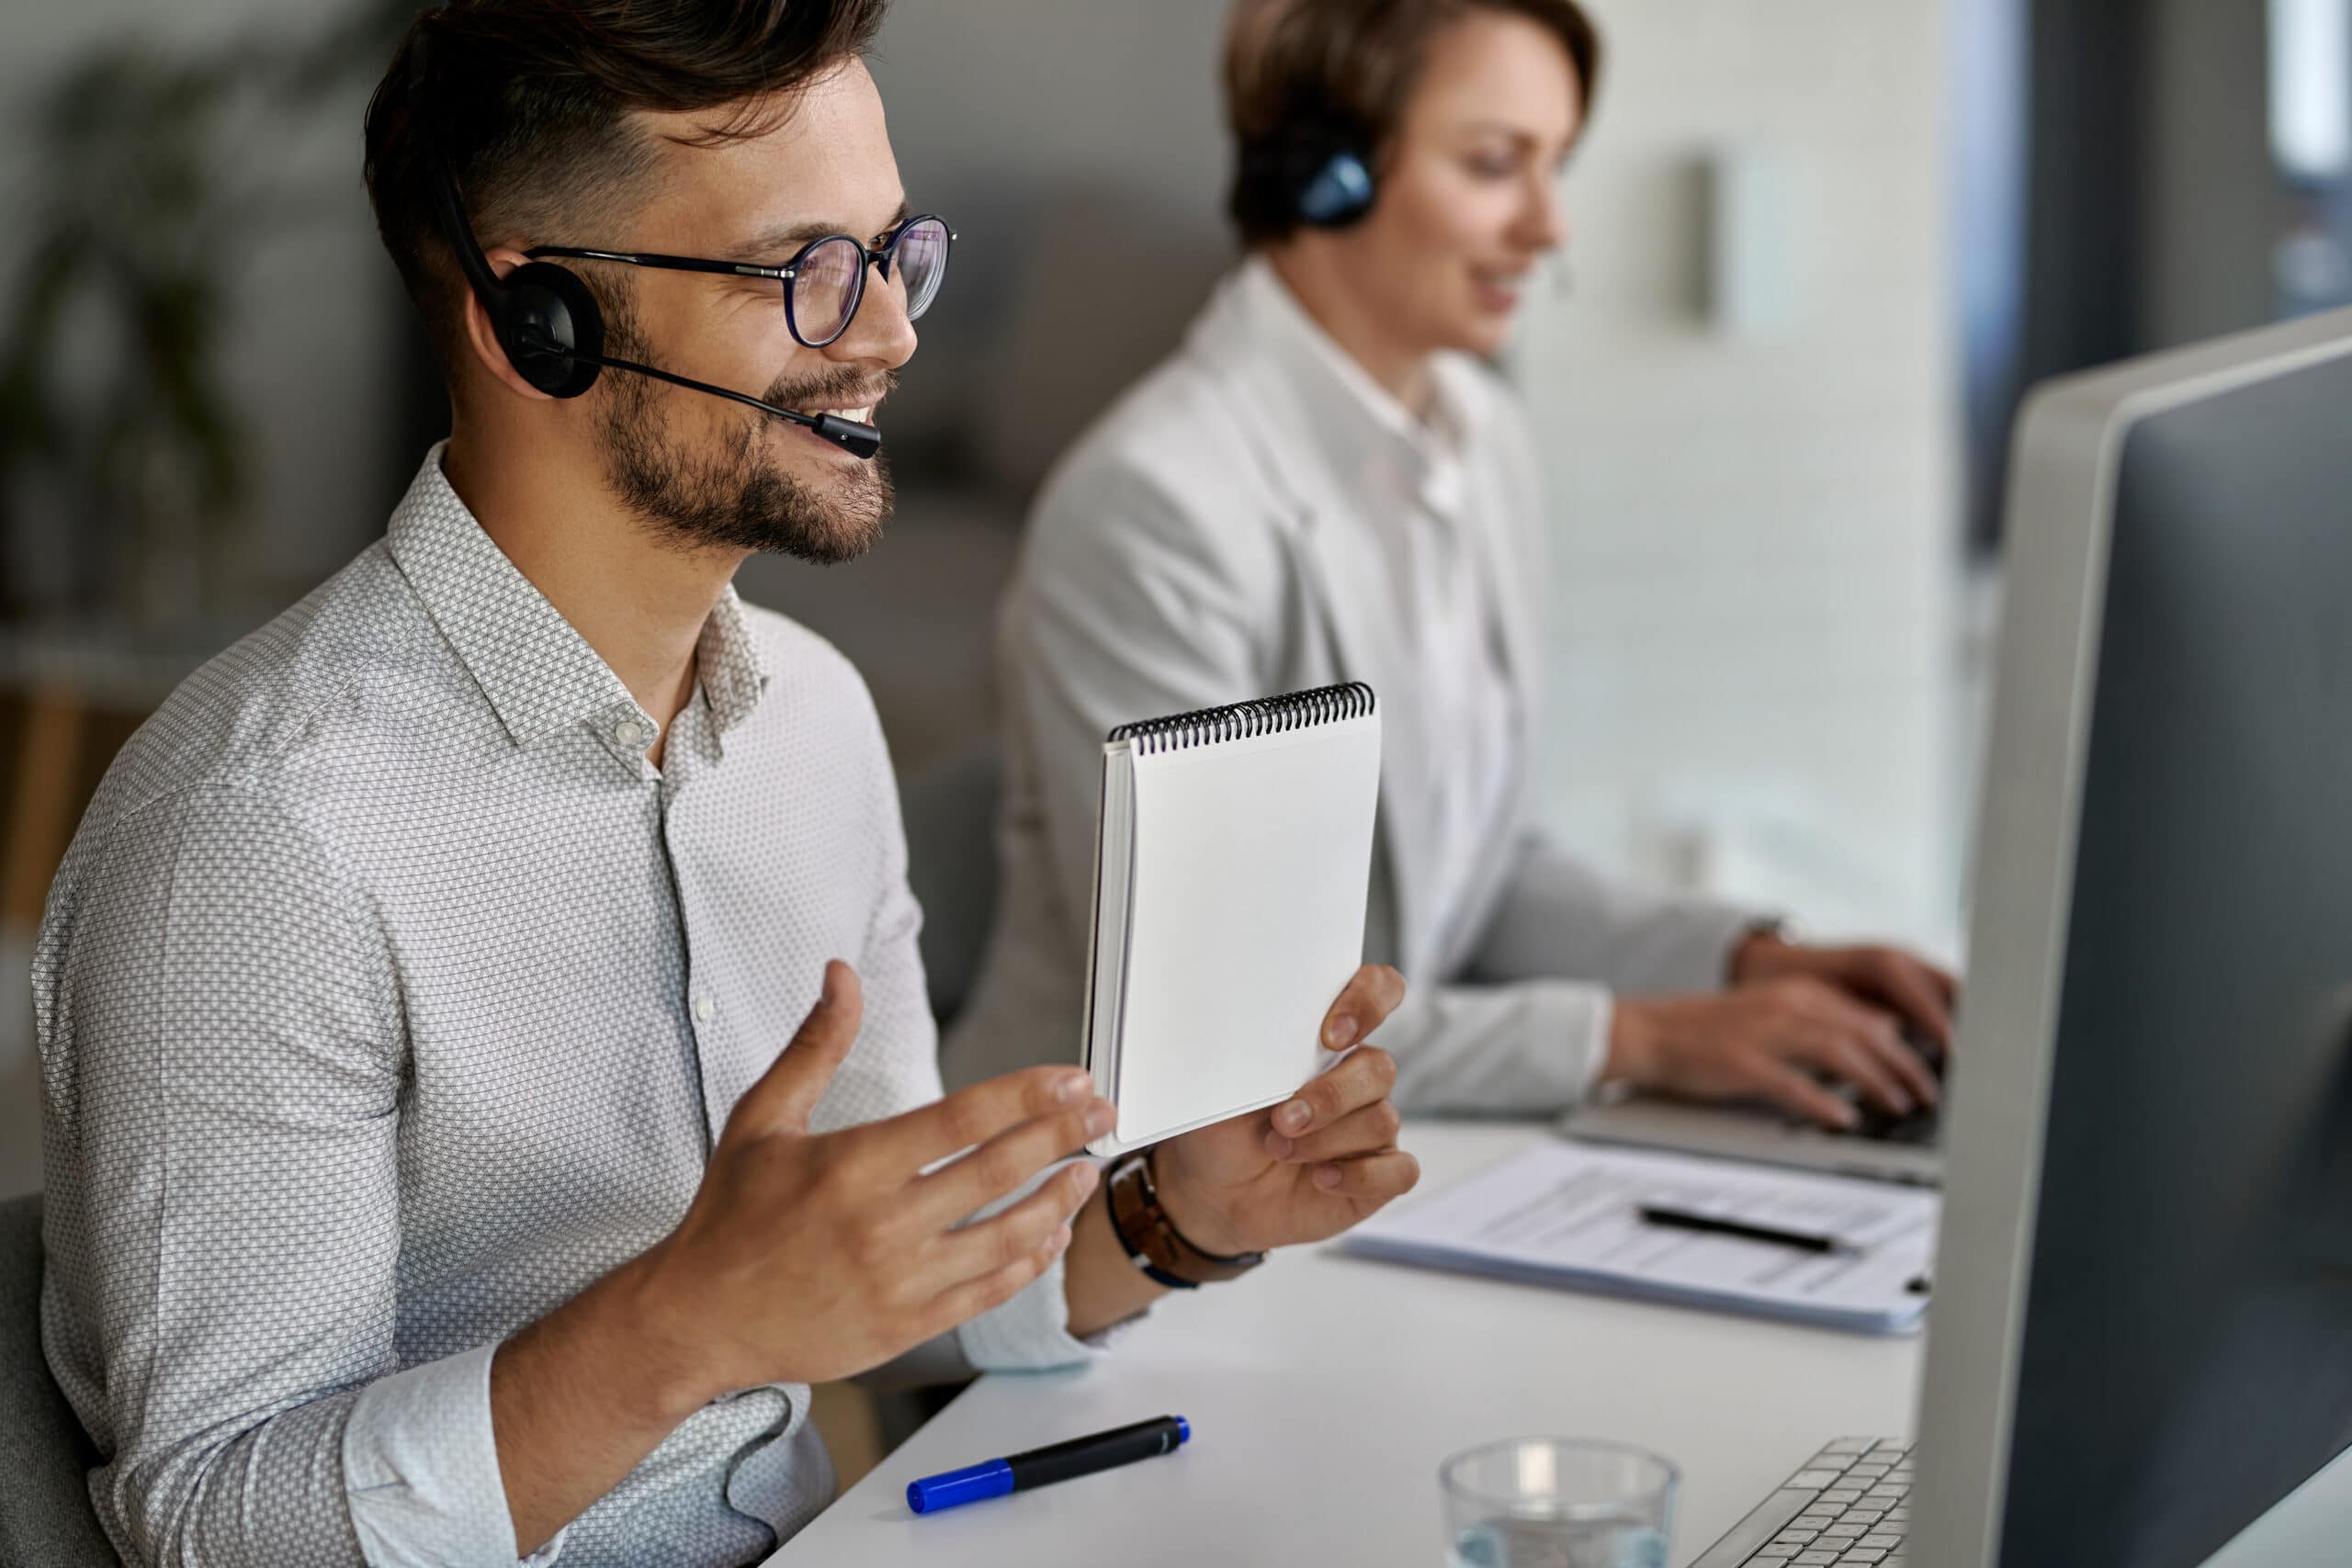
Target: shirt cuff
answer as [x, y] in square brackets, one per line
[1589, 1044]
[420, 1471]
[1029, 1332]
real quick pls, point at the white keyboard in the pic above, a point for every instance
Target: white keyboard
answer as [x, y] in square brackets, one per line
[1849, 1504]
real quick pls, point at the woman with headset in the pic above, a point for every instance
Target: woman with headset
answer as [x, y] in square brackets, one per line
[1326, 483]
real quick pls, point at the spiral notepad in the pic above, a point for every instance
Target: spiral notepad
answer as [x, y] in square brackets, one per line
[1233, 852]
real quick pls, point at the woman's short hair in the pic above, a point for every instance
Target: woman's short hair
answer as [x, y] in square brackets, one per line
[1308, 78]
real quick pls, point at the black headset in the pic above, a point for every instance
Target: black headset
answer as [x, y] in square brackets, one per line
[1316, 174]
[546, 319]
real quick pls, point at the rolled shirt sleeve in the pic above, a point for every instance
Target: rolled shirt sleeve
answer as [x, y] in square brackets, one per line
[420, 1469]
[220, 1049]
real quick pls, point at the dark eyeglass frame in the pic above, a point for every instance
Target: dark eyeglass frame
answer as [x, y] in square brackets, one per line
[879, 257]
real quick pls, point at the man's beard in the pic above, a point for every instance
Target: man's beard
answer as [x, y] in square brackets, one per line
[737, 496]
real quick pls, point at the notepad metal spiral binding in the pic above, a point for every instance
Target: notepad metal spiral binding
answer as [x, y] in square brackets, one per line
[1261, 715]
[1233, 845]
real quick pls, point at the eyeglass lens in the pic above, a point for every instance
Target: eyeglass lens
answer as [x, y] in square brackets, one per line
[825, 284]
[824, 289]
[922, 263]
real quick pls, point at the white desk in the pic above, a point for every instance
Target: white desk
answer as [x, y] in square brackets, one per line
[1325, 1389]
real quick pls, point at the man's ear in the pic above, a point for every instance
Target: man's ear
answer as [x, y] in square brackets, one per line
[481, 338]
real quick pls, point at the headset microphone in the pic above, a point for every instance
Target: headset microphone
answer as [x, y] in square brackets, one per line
[856, 438]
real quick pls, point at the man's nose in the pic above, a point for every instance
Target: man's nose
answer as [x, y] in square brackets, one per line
[881, 333]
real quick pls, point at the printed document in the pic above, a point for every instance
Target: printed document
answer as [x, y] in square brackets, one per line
[1567, 1213]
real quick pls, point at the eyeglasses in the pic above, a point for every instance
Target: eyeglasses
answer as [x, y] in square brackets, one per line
[825, 281]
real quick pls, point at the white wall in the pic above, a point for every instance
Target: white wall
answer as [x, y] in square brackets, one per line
[1758, 536]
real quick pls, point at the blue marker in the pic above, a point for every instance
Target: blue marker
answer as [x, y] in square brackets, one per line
[1042, 1467]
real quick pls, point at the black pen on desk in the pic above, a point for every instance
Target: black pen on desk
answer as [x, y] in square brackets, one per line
[1042, 1467]
[1715, 1224]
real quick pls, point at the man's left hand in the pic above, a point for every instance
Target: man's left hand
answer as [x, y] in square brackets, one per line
[1917, 992]
[1318, 1163]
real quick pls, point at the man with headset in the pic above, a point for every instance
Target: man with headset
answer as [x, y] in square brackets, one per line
[430, 1178]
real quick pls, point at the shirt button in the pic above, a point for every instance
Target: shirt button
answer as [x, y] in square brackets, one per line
[704, 1009]
[629, 732]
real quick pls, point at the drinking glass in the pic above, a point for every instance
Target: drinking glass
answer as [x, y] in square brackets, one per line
[1557, 1503]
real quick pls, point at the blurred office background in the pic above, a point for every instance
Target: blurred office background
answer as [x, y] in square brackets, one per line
[1820, 246]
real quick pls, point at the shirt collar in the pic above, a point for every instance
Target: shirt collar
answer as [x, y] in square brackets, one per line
[537, 672]
[1360, 423]
[728, 663]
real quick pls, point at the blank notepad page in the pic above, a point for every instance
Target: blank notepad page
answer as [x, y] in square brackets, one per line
[1251, 858]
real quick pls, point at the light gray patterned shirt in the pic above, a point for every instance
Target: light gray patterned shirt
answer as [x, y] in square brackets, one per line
[387, 997]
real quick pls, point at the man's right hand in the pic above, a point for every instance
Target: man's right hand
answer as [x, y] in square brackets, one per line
[1774, 1040]
[809, 1256]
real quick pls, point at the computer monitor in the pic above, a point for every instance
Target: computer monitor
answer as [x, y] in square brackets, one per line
[2142, 1339]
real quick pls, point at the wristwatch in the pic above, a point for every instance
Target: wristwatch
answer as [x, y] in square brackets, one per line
[1153, 1242]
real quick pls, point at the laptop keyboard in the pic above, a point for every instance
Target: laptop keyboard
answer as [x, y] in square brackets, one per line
[1849, 1504]
[1919, 1129]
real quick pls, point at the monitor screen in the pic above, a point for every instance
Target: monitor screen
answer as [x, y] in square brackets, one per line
[2187, 1357]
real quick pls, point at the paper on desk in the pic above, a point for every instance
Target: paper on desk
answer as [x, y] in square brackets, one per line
[1564, 1214]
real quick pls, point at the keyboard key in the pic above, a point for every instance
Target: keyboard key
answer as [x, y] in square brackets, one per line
[1813, 1480]
[1842, 1494]
[1883, 1539]
[1862, 1555]
[1851, 1446]
[1845, 1532]
[1773, 1554]
[1813, 1560]
[1794, 1537]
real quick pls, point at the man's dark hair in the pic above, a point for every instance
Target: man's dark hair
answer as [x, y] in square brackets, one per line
[527, 101]
[1319, 72]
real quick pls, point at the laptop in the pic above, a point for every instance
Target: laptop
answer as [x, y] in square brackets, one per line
[1883, 1148]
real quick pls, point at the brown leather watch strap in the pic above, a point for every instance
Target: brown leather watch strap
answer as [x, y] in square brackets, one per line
[1154, 1243]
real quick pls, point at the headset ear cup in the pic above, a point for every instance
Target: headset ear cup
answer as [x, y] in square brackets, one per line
[544, 304]
[1337, 193]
